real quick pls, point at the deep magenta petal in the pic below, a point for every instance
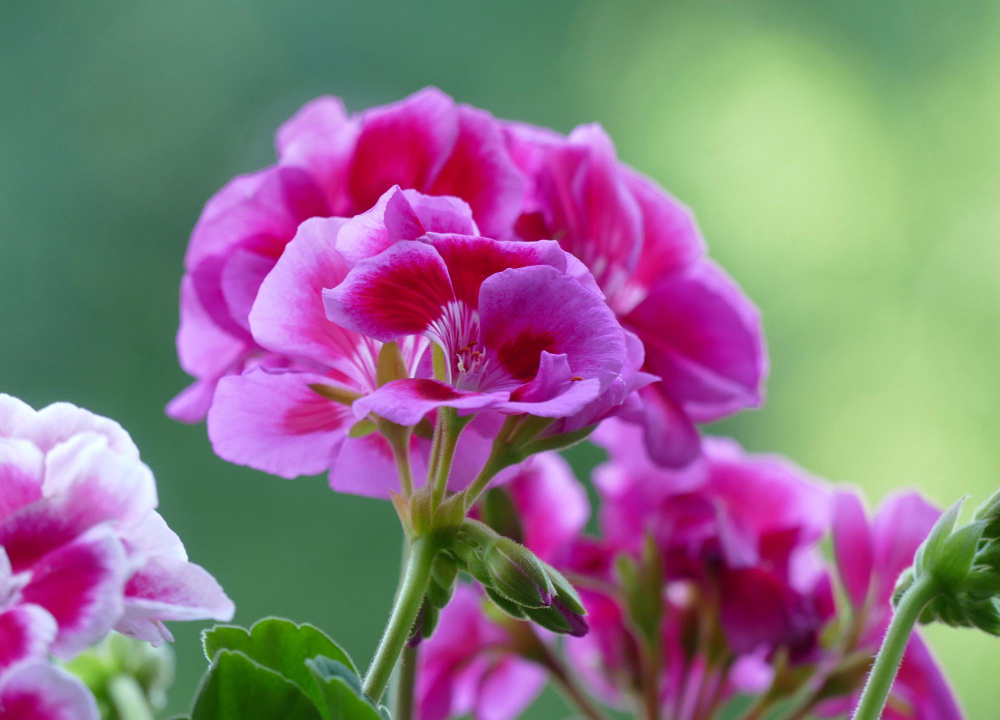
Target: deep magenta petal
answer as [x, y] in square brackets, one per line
[852, 546]
[405, 402]
[26, 632]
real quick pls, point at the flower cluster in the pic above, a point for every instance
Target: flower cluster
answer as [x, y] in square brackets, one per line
[741, 601]
[82, 551]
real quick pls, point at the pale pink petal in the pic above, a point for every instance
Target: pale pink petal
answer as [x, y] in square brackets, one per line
[26, 631]
[703, 337]
[552, 503]
[38, 691]
[21, 473]
[405, 144]
[192, 403]
[273, 421]
[672, 440]
[852, 546]
[407, 401]
[205, 350]
[481, 171]
[401, 291]
[81, 585]
[366, 466]
[319, 138]
[439, 213]
[60, 421]
[89, 483]
[13, 412]
[168, 589]
[527, 310]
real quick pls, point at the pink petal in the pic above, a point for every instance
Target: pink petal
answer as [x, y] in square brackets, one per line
[273, 421]
[365, 466]
[170, 589]
[21, 473]
[852, 545]
[205, 350]
[192, 403]
[81, 585]
[481, 172]
[258, 212]
[527, 310]
[553, 392]
[407, 401]
[38, 691]
[552, 503]
[402, 291]
[242, 275]
[703, 338]
[509, 688]
[672, 440]
[26, 632]
[319, 138]
[901, 523]
[470, 260]
[922, 684]
[309, 264]
[403, 144]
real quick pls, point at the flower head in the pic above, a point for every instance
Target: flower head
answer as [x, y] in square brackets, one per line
[329, 164]
[82, 549]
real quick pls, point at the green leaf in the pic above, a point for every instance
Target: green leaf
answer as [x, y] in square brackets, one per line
[279, 645]
[237, 688]
[340, 691]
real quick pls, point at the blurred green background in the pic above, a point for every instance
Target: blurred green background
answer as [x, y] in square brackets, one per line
[843, 159]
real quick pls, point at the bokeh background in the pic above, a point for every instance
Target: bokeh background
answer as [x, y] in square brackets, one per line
[843, 159]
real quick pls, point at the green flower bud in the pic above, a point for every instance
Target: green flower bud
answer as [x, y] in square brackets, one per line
[989, 511]
[559, 619]
[517, 574]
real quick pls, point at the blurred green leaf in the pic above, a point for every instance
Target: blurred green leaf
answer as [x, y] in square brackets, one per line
[237, 688]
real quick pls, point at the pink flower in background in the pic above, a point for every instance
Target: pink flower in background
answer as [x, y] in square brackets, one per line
[275, 418]
[82, 550]
[520, 326]
[329, 164]
[702, 336]
[35, 690]
[870, 556]
[468, 666]
[743, 528]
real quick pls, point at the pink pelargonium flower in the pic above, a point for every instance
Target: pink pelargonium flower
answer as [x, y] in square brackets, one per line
[281, 419]
[82, 549]
[870, 556]
[521, 326]
[329, 164]
[35, 690]
[744, 528]
[469, 667]
[702, 336]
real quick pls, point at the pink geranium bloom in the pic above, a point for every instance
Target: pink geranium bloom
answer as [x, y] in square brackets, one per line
[329, 164]
[520, 325]
[870, 556]
[702, 336]
[82, 549]
[274, 418]
[35, 690]
[468, 666]
[742, 527]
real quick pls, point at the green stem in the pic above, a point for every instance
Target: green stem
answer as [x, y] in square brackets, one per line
[400, 444]
[886, 665]
[451, 428]
[129, 699]
[407, 684]
[651, 680]
[404, 613]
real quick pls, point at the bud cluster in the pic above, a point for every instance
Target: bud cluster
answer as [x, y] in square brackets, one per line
[964, 565]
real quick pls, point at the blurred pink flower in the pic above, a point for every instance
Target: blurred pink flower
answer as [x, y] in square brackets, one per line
[520, 326]
[702, 336]
[870, 556]
[82, 549]
[329, 164]
[35, 690]
[469, 666]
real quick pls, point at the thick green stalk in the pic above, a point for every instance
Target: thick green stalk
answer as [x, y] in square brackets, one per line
[404, 613]
[129, 699]
[876, 691]
[451, 428]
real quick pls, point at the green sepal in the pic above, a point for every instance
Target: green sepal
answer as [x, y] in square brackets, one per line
[565, 591]
[444, 573]
[362, 428]
[390, 365]
[237, 688]
[930, 549]
[337, 394]
[504, 605]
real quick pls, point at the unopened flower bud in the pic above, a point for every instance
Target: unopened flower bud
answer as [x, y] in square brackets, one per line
[559, 619]
[517, 574]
